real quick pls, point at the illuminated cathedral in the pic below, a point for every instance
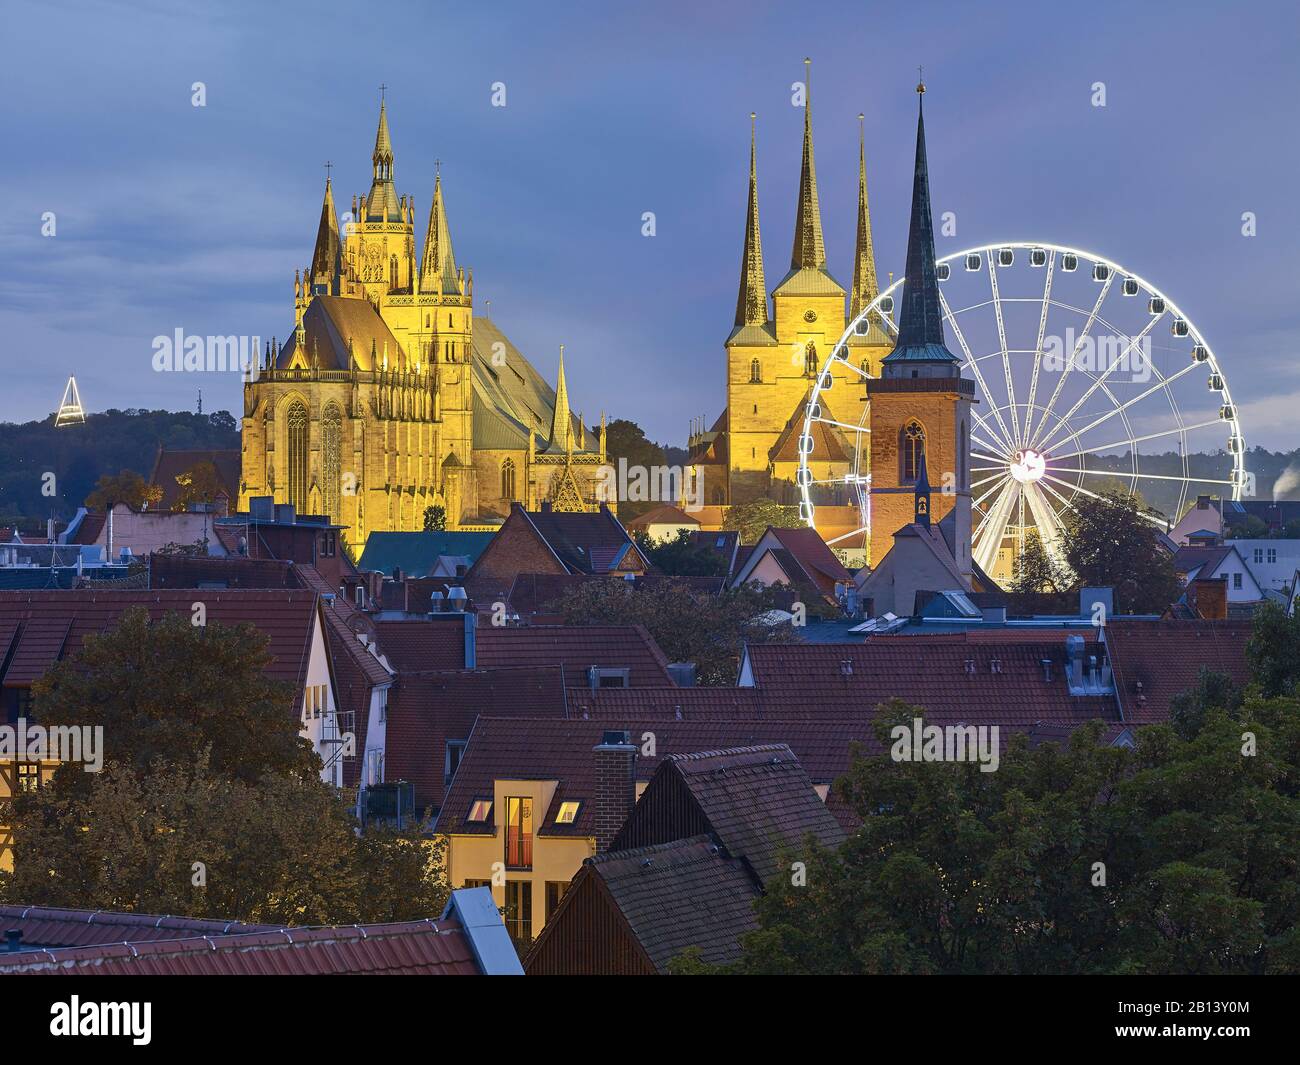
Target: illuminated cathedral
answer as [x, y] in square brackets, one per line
[391, 396]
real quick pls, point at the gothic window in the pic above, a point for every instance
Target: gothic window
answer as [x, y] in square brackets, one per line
[508, 480]
[866, 367]
[331, 459]
[911, 446]
[298, 426]
[810, 358]
[755, 372]
[392, 271]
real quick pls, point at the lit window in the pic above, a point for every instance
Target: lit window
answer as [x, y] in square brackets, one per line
[568, 812]
[480, 811]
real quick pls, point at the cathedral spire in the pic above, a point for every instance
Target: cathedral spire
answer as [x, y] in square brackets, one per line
[920, 320]
[561, 422]
[326, 259]
[751, 303]
[381, 204]
[438, 267]
[383, 154]
[865, 288]
[809, 250]
[921, 494]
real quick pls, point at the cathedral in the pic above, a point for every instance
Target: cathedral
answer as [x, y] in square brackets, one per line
[391, 396]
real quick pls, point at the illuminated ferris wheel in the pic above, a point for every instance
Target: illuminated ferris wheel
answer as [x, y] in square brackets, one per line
[1088, 379]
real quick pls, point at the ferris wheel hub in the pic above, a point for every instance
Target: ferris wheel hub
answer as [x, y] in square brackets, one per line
[1028, 465]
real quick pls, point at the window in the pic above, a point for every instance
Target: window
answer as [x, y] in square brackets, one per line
[519, 910]
[328, 543]
[755, 372]
[555, 890]
[568, 812]
[28, 777]
[374, 768]
[1236, 582]
[810, 358]
[1272, 554]
[332, 461]
[911, 447]
[519, 832]
[455, 749]
[1259, 555]
[609, 678]
[508, 479]
[480, 810]
[297, 424]
[477, 883]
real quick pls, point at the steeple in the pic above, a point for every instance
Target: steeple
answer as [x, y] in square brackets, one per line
[561, 422]
[751, 303]
[865, 288]
[326, 259]
[438, 267]
[920, 320]
[809, 251]
[921, 494]
[381, 204]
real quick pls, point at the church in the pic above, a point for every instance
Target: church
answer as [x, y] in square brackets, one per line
[392, 396]
[894, 403]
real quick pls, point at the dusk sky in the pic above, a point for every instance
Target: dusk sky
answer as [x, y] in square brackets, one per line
[173, 216]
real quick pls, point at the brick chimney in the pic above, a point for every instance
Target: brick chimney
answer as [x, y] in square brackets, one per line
[1209, 597]
[615, 785]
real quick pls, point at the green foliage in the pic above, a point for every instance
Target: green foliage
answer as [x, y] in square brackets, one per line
[752, 519]
[203, 764]
[127, 487]
[1108, 543]
[1188, 710]
[625, 440]
[435, 518]
[679, 557]
[1273, 650]
[688, 626]
[78, 455]
[199, 484]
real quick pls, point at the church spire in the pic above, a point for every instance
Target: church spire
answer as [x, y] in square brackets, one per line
[751, 303]
[920, 320]
[561, 422]
[438, 268]
[383, 154]
[921, 494]
[381, 204]
[809, 250]
[865, 288]
[326, 259]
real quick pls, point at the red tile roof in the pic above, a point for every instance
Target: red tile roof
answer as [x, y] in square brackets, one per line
[43, 927]
[423, 644]
[415, 948]
[536, 593]
[686, 704]
[584, 542]
[576, 649]
[189, 571]
[54, 623]
[171, 463]
[1155, 660]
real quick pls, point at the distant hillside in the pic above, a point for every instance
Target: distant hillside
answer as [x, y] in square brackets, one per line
[78, 455]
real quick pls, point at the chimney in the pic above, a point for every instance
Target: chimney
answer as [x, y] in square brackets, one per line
[471, 639]
[615, 785]
[1046, 663]
[1074, 651]
[13, 937]
[1209, 597]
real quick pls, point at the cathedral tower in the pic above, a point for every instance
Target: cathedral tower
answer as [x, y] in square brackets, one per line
[921, 405]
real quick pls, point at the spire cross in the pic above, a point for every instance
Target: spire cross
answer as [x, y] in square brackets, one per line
[328, 167]
[920, 79]
[437, 166]
[383, 92]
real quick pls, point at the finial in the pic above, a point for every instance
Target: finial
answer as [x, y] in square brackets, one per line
[920, 80]
[328, 167]
[437, 168]
[807, 80]
[383, 93]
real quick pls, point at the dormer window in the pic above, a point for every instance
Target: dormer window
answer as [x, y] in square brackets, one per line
[568, 812]
[479, 811]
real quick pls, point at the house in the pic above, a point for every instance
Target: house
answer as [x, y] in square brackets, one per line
[796, 558]
[663, 522]
[125, 530]
[1276, 514]
[552, 541]
[726, 542]
[172, 464]
[1272, 562]
[535, 595]
[1215, 560]
[708, 834]
[1205, 515]
[276, 530]
[1153, 661]
[38, 629]
[423, 554]
[467, 940]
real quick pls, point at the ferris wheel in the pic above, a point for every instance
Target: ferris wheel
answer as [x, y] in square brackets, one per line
[1088, 379]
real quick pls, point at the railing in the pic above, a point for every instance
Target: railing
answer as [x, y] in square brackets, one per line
[519, 848]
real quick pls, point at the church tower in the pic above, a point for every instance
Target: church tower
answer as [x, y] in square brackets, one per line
[920, 405]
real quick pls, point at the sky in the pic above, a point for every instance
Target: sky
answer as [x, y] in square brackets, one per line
[169, 216]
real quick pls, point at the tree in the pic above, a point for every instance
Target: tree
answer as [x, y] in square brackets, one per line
[678, 556]
[1037, 571]
[1109, 544]
[175, 690]
[183, 839]
[752, 519]
[435, 518]
[625, 440]
[127, 487]
[688, 626]
[199, 484]
[1273, 650]
[1188, 710]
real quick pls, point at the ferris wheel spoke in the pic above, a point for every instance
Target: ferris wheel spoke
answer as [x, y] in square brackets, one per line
[992, 527]
[1069, 363]
[996, 449]
[849, 535]
[1000, 480]
[1079, 488]
[842, 425]
[1139, 476]
[1038, 346]
[979, 375]
[1139, 439]
[854, 367]
[1006, 355]
[1099, 382]
[1125, 405]
[1046, 520]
